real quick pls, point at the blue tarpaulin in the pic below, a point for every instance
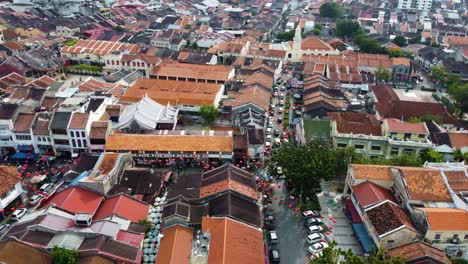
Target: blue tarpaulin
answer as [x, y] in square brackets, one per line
[77, 179]
[364, 238]
[24, 148]
[22, 155]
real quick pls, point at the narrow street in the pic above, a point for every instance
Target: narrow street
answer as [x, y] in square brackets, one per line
[291, 232]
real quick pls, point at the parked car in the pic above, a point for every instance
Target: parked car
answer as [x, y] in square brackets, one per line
[314, 238]
[312, 221]
[275, 94]
[35, 199]
[276, 132]
[309, 214]
[273, 237]
[274, 254]
[283, 88]
[18, 213]
[4, 228]
[317, 247]
[46, 187]
[280, 119]
[281, 95]
[270, 124]
[314, 229]
[280, 110]
[268, 131]
[281, 102]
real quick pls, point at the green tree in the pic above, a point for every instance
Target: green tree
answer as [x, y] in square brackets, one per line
[305, 164]
[332, 255]
[64, 256]
[209, 113]
[146, 223]
[71, 42]
[432, 156]
[286, 35]
[414, 119]
[331, 10]
[382, 74]
[400, 53]
[400, 41]
[347, 28]
[194, 45]
[458, 155]
[436, 118]
[459, 93]
[415, 40]
[316, 31]
[368, 45]
[118, 28]
[188, 26]
[459, 261]
[438, 74]
[318, 26]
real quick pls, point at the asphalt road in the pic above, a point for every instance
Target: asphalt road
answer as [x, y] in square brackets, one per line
[290, 230]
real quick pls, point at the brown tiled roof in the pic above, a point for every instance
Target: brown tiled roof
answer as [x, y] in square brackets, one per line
[24, 122]
[233, 242]
[444, 219]
[175, 92]
[356, 123]
[108, 163]
[396, 125]
[16, 252]
[252, 94]
[425, 184]
[176, 245]
[401, 61]
[369, 193]
[315, 43]
[14, 45]
[418, 251]
[95, 259]
[9, 176]
[389, 105]
[50, 102]
[458, 41]
[388, 217]
[100, 48]
[153, 60]
[187, 143]
[79, 121]
[458, 140]
[457, 180]
[372, 172]
[98, 129]
[41, 127]
[185, 70]
[228, 177]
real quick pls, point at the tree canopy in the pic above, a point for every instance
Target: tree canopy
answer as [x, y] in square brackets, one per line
[286, 35]
[332, 254]
[368, 45]
[209, 113]
[438, 74]
[400, 41]
[347, 28]
[382, 74]
[64, 256]
[331, 10]
[459, 92]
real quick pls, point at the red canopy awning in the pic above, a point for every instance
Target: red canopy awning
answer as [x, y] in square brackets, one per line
[355, 217]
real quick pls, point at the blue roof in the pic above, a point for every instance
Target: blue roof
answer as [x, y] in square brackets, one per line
[364, 238]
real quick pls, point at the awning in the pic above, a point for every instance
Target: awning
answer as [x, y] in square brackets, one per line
[24, 148]
[364, 238]
[355, 217]
[22, 155]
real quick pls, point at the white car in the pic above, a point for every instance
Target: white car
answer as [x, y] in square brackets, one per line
[268, 138]
[314, 238]
[317, 247]
[310, 213]
[280, 110]
[273, 237]
[18, 213]
[316, 255]
[281, 102]
[314, 229]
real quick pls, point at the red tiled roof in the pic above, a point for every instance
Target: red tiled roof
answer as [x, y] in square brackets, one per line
[79, 121]
[445, 219]
[9, 176]
[356, 123]
[418, 251]
[176, 245]
[458, 140]
[124, 207]
[388, 217]
[369, 193]
[130, 238]
[396, 125]
[24, 122]
[77, 200]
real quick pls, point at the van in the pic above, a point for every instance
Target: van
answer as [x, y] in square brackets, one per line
[314, 238]
[46, 187]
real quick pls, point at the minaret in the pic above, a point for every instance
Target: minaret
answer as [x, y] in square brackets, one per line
[296, 50]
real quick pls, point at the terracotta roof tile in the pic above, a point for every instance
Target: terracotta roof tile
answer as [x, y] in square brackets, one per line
[187, 143]
[388, 217]
[79, 121]
[356, 123]
[232, 242]
[372, 172]
[195, 71]
[100, 48]
[9, 250]
[41, 127]
[457, 180]
[417, 251]
[9, 176]
[123, 206]
[24, 122]
[396, 125]
[458, 140]
[98, 129]
[425, 184]
[175, 92]
[446, 218]
[369, 193]
[315, 43]
[176, 245]
[77, 200]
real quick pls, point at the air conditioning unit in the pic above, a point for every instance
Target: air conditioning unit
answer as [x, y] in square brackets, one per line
[455, 241]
